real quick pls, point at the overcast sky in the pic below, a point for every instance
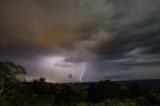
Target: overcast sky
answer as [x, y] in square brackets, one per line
[82, 40]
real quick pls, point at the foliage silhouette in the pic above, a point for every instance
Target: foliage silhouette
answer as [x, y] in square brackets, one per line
[41, 93]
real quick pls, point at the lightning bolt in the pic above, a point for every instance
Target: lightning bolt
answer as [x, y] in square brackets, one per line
[83, 70]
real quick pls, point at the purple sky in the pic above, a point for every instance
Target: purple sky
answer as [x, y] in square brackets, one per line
[91, 40]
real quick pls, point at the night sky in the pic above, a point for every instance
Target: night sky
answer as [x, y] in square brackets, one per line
[82, 40]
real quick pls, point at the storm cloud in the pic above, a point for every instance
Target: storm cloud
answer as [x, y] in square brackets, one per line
[116, 40]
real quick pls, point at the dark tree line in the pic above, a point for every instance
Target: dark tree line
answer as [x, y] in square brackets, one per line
[14, 92]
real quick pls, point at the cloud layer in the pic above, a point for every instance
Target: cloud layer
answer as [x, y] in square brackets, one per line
[115, 39]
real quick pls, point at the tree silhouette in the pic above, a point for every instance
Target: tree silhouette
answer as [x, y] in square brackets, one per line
[40, 86]
[8, 73]
[103, 90]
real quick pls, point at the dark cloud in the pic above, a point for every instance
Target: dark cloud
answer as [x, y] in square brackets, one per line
[108, 35]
